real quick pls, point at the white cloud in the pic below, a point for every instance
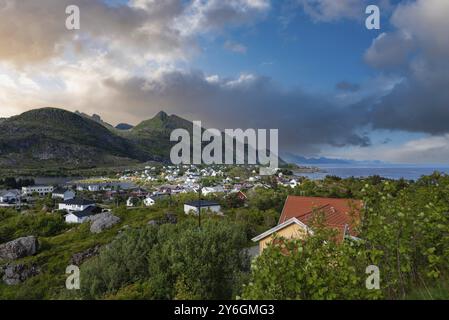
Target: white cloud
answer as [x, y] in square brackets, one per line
[334, 10]
[428, 150]
[235, 47]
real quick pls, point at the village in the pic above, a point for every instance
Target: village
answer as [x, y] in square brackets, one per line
[194, 190]
[143, 188]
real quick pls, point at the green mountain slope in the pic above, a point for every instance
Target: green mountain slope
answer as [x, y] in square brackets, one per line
[52, 137]
[153, 135]
[58, 137]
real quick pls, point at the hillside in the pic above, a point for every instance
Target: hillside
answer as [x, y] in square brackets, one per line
[59, 137]
[153, 135]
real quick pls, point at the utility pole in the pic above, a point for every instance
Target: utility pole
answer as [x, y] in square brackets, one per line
[199, 206]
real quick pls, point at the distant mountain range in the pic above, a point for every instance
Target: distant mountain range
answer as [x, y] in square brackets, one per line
[300, 160]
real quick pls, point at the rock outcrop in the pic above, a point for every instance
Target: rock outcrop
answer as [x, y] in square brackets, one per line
[79, 258]
[102, 221]
[170, 218]
[19, 248]
[14, 274]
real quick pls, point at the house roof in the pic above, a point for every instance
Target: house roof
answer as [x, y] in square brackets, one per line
[60, 190]
[338, 213]
[78, 202]
[12, 191]
[280, 227]
[202, 203]
[87, 212]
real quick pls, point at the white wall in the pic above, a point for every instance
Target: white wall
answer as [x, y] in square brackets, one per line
[71, 218]
[63, 206]
[188, 208]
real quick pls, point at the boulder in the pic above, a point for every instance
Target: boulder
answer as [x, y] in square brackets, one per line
[78, 258]
[102, 221]
[14, 274]
[19, 248]
[171, 218]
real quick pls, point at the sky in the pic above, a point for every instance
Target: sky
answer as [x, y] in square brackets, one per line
[309, 68]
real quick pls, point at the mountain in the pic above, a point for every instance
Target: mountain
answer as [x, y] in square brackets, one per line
[153, 135]
[124, 126]
[58, 137]
[300, 160]
[96, 118]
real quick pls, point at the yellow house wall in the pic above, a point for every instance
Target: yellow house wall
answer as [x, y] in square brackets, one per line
[292, 231]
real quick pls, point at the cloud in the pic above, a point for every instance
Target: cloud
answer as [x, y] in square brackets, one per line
[34, 31]
[235, 47]
[389, 50]
[305, 121]
[331, 10]
[214, 15]
[347, 86]
[418, 51]
[426, 150]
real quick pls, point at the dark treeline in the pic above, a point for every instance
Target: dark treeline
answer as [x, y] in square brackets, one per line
[13, 183]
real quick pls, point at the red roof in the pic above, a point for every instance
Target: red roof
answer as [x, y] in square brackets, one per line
[338, 213]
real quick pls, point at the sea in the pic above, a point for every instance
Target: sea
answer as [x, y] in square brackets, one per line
[395, 172]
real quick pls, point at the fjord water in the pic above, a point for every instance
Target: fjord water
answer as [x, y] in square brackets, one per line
[408, 172]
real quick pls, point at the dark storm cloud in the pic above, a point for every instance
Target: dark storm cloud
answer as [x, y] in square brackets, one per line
[418, 49]
[304, 121]
[415, 106]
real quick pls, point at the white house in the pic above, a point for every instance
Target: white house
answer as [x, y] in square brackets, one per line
[76, 204]
[81, 216]
[132, 201]
[64, 194]
[293, 183]
[194, 206]
[41, 190]
[151, 200]
[209, 190]
[7, 196]
[93, 188]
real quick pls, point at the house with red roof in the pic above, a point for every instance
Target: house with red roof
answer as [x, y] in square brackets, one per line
[298, 212]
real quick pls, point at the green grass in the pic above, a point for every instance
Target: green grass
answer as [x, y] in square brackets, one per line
[436, 291]
[56, 251]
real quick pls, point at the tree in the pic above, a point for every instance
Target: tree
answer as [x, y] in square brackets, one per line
[171, 261]
[315, 269]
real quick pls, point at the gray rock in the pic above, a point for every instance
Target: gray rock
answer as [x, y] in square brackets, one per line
[14, 274]
[78, 258]
[19, 248]
[102, 221]
[171, 218]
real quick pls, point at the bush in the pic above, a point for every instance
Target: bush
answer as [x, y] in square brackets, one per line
[173, 261]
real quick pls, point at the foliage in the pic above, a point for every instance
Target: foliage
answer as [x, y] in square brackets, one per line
[13, 183]
[403, 229]
[14, 225]
[315, 269]
[172, 262]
